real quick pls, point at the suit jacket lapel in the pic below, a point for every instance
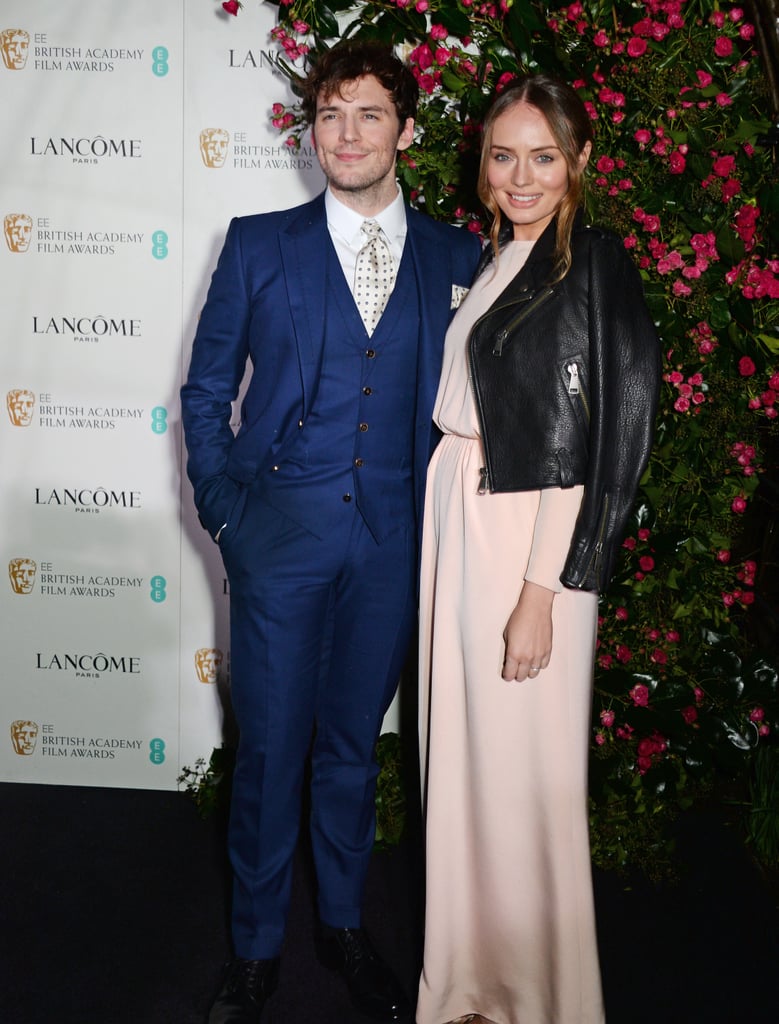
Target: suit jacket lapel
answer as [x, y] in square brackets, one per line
[303, 248]
[433, 274]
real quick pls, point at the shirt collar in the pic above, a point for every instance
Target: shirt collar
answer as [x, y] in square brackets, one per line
[346, 221]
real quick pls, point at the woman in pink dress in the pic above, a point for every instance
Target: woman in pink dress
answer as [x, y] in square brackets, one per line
[546, 403]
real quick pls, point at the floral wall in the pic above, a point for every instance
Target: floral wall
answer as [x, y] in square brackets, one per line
[684, 170]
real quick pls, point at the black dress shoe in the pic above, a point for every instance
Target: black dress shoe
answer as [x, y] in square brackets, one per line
[247, 987]
[373, 988]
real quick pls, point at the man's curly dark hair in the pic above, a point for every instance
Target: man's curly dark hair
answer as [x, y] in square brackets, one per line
[353, 59]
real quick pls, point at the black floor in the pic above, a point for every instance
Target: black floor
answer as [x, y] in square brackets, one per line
[113, 909]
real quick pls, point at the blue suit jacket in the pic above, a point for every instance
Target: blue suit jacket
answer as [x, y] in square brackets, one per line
[266, 303]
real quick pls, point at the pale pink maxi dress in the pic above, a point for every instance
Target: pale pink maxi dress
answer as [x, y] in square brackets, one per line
[510, 924]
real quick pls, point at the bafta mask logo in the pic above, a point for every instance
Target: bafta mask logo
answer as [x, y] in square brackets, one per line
[21, 405]
[23, 736]
[207, 663]
[21, 572]
[213, 146]
[18, 231]
[14, 43]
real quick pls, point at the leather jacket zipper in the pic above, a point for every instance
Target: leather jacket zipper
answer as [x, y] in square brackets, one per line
[532, 305]
[485, 480]
[594, 565]
[575, 389]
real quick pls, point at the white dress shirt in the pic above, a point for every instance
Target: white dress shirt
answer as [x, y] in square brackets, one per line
[344, 223]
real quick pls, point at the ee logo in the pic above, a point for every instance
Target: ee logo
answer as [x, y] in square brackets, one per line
[159, 245]
[158, 585]
[159, 58]
[157, 751]
[159, 419]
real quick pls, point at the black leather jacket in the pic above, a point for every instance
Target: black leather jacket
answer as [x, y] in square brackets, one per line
[566, 378]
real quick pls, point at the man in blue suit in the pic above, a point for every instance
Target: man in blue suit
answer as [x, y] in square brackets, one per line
[315, 505]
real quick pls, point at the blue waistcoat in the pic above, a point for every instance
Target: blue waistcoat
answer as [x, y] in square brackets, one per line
[355, 449]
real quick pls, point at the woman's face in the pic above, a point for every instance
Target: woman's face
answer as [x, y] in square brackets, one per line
[526, 170]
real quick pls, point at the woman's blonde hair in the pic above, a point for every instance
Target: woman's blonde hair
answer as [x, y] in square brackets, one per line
[571, 129]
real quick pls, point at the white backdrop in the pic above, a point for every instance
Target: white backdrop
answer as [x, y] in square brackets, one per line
[132, 133]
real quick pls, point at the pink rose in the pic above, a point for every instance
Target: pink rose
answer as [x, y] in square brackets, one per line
[647, 563]
[607, 718]
[723, 46]
[689, 714]
[231, 6]
[504, 80]
[676, 162]
[746, 366]
[739, 504]
[623, 654]
[621, 614]
[723, 166]
[423, 56]
[636, 47]
[640, 695]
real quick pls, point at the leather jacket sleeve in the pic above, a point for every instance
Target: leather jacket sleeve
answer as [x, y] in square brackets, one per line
[624, 387]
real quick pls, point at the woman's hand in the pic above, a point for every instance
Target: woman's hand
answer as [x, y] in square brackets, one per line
[528, 634]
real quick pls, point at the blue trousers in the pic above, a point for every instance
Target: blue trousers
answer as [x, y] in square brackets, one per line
[319, 633]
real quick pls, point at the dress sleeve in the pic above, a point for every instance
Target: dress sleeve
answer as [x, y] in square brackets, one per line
[555, 522]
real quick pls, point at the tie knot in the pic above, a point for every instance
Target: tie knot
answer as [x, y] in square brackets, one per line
[371, 229]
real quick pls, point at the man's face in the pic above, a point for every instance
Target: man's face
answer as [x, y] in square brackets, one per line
[357, 136]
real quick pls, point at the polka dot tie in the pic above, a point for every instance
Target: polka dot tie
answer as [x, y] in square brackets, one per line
[374, 275]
